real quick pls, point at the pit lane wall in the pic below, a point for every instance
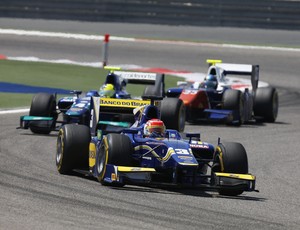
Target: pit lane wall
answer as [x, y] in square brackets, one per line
[271, 14]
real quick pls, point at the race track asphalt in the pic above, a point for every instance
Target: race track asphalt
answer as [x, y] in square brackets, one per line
[34, 195]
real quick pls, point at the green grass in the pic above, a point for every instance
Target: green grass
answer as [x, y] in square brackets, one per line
[57, 76]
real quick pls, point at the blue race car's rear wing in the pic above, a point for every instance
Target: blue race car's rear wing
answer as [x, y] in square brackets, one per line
[112, 109]
[117, 105]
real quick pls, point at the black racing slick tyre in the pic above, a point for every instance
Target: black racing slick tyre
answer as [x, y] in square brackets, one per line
[173, 113]
[72, 149]
[266, 104]
[43, 104]
[230, 157]
[233, 100]
[115, 149]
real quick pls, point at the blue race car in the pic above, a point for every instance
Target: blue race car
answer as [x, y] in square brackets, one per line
[149, 154]
[224, 97]
[44, 112]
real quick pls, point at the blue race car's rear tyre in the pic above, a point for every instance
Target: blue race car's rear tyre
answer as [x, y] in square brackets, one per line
[266, 104]
[230, 157]
[115, 149]
[72, 149]
[173, 113]
[44, 105]
[233, 100]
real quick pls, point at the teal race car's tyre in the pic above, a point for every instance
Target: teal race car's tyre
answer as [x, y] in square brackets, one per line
[44, 105]
[72, 149]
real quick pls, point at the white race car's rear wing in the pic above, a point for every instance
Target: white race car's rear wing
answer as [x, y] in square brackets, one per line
[242, 69]
[223, 69]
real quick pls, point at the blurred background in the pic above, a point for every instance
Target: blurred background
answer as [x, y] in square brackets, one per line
[272, 14]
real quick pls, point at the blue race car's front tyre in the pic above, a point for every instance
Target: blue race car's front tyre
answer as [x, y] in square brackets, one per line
[72, 148]
[115, 149]
[230, 157]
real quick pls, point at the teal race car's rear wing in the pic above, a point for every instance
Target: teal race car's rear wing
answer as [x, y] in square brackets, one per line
[155, 81]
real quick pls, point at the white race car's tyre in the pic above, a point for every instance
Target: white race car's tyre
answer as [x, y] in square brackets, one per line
[266, 104]
[173, 113]
[233, 100]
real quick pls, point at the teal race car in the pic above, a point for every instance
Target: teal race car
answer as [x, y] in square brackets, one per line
[47, 114]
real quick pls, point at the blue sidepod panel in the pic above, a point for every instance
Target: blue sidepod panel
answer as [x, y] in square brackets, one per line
[164, 153]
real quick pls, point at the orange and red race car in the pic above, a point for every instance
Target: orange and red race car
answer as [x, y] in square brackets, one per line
[226, 95]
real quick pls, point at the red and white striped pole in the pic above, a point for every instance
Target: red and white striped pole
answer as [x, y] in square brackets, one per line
[105, 49]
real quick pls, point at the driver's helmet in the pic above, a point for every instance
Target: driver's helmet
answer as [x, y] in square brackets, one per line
[210, 82]
[107, 90]
[154, 128]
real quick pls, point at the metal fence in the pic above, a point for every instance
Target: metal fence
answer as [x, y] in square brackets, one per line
[272, 14]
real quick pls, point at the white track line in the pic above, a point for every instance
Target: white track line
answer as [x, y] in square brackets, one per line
[13, 111]
[189, 76]
[60, 35]
[115, 38]
[59, 61]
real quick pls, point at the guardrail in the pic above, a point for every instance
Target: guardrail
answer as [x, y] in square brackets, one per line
[272, 14]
